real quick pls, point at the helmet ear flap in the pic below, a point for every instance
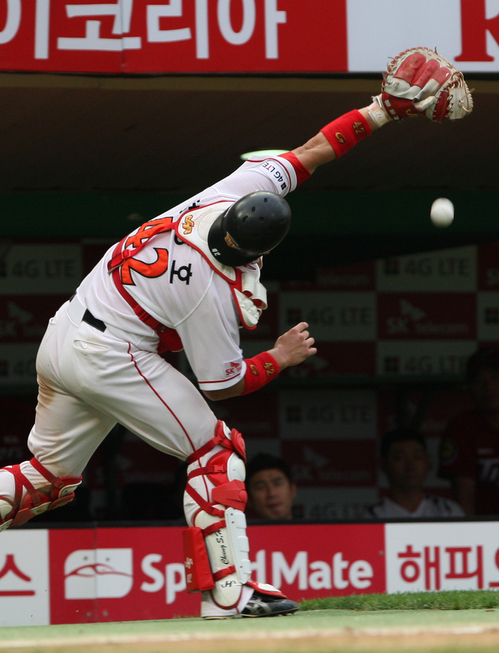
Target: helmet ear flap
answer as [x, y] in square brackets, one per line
[252, 226]
[219, 247]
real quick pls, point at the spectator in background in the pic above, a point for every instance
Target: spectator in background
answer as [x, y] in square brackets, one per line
[469, 452]
[406, 463]
[270, 487]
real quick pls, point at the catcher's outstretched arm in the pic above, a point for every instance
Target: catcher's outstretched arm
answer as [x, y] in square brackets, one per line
[418, 81]
[321, 148]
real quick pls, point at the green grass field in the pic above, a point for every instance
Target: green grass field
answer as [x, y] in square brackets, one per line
[437, 622]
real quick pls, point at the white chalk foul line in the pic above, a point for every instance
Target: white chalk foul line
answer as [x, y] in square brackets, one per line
[93, 640]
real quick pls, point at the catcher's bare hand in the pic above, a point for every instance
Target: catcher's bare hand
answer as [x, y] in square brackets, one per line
[420, 81]
[294, 346]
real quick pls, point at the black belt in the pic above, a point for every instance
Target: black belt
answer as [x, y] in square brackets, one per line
[93, 321]
[90, 319]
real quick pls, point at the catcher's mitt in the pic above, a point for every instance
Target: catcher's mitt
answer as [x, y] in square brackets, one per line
[420, 81]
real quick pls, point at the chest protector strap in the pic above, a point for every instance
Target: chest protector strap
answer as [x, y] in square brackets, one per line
[250, 296]
[169, 339]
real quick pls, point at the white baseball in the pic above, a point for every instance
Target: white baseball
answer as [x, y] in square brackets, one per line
[442, 212]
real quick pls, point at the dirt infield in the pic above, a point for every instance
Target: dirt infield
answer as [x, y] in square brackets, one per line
[433, 632]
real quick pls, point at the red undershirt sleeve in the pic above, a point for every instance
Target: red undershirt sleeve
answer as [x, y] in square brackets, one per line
[302, 174]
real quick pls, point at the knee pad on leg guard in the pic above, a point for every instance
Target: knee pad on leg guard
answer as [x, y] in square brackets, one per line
[216, 547]
[28, 502]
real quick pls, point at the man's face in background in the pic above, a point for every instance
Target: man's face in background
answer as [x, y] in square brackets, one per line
[271, 494]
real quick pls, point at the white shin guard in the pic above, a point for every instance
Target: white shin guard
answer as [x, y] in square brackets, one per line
[227, 548]
[214, 503]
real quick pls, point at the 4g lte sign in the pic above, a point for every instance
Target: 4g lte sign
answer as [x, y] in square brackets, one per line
[185, 36]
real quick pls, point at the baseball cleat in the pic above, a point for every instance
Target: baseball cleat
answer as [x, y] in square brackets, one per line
[266, 605]
[264, 601]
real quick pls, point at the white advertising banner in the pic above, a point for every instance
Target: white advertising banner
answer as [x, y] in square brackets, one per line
[332, 316]
[24, 578]
[39, 269]
[317, 414]
[420, 358]
[442, 556]
[445, 270]
[464, 31]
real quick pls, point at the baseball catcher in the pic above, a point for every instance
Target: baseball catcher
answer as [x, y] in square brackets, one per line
[189, 279]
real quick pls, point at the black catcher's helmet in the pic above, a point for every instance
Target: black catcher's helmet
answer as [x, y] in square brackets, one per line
[253, 225]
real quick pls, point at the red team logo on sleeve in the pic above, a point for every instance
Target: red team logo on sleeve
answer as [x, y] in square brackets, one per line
[232, 369]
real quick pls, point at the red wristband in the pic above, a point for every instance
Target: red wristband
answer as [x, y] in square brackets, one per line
[260, 370]
[346, 131]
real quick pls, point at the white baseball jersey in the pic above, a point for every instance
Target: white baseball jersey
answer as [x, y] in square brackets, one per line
[430, 506]
[176, 286]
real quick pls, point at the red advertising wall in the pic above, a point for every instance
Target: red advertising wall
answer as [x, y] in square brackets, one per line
[138, 36]
[127, 574]
[206, 36]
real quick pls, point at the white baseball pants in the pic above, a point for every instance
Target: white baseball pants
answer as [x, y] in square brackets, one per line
[89, 380]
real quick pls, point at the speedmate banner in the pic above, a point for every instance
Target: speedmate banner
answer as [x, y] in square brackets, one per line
[241, 36]
[129, 574]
